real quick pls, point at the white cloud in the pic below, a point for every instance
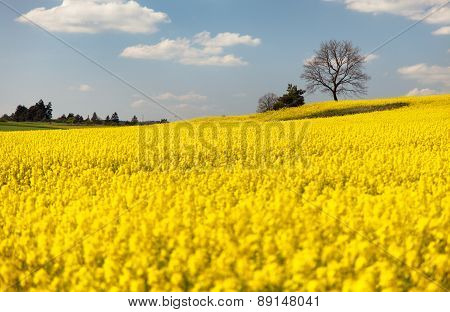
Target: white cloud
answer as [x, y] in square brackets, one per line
[202, 50]
[182, 106]
[225, 60]
[417, 91]
[170, 97]
[372, 57]
[426, 74]
[411, 9]
[442, 31]
[226, 39]
[192, 108]
[85, 88]
[82, 88]
[191, 96]
[138, 103]
[93, 16]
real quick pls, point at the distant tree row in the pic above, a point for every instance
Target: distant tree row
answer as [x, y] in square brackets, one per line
[44, 113]
[37, 112]
[78, 119]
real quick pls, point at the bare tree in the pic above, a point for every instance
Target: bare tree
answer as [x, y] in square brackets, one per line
[267, 102]
[336, 68]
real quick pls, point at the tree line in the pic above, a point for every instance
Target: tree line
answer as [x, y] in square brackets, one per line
[37, 112]
[94, 119]
[44, 113]
[337, 68]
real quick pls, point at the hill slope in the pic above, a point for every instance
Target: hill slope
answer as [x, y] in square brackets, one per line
[341, 108]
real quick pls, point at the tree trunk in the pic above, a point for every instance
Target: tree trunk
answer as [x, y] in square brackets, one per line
[335, 96]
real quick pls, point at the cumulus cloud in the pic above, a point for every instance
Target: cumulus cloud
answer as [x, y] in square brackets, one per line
[442, 31]
[187, 110]
[177, 101]
[417, 91]
[82, 88]
[202, 50]
[193, 109]
[371, 57]
[411, 9]
[226, 39]
[426, 74]
[138, 103]
[85, 88]
[191, 96]
[94, 16]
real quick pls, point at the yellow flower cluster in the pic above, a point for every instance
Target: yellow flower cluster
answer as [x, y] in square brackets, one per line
[268, 202]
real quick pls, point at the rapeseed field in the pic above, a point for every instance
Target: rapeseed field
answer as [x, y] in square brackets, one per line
[348, 196]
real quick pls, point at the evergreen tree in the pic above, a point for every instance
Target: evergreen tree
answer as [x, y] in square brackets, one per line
[115, 118]
[5, 118]
[78, 119]
[292, 98]
[37, 112]
[63, 118]
[70, 118]
[21, 113]
[95, 118]
[48, 111]
[134, 120]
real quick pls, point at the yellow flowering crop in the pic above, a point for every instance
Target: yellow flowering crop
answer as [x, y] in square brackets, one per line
[269, 202]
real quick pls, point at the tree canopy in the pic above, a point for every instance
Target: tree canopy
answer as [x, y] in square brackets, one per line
[37, 112]
[267, 102]
[292, 98]
[336, 68]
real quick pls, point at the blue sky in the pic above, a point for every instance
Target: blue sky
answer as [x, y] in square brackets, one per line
[208, 57]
